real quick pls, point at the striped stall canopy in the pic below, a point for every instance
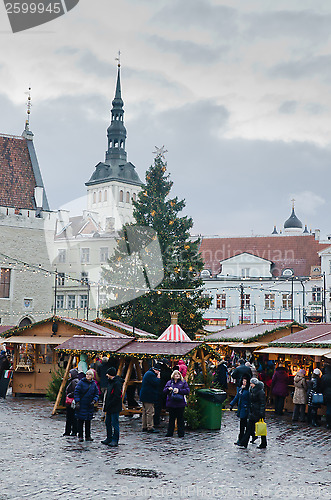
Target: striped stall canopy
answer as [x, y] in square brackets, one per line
[174, 333]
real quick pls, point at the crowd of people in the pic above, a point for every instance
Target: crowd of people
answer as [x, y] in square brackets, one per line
[311, 388]
[162, 387]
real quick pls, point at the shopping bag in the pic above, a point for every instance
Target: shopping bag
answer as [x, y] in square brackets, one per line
[260, 428]
[317, 398]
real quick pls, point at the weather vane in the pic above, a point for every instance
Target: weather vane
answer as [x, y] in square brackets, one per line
[28, 105]
[160, 152]
[118, 59]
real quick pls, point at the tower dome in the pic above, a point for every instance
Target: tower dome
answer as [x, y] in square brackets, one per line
[293, 223]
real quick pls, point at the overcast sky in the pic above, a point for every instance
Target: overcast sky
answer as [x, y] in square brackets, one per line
[239, 92]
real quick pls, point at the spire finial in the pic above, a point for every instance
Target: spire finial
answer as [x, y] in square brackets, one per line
[118, 59]
[293, 202]
[28, 105]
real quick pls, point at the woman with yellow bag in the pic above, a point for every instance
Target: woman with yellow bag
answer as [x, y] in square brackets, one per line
[256, 414]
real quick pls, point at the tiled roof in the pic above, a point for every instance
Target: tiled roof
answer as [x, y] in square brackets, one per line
[93, 343]
[94, 328]
[299, 253]
[317, 334]
[245, 331]
[156, 347]
[17, 176]
[123, 326]
[128, 346]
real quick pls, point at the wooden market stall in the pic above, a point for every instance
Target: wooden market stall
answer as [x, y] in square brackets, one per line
[247, 338]
[308, 349]
[136, 354]
[34, 356]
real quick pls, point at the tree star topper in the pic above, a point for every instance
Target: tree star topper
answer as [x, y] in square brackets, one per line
[160, 152]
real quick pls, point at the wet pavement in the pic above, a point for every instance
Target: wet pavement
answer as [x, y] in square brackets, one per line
[36, 461]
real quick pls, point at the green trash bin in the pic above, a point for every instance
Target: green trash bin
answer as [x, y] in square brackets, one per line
[211, 404]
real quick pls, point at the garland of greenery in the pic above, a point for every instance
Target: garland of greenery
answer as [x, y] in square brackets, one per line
[323, 345]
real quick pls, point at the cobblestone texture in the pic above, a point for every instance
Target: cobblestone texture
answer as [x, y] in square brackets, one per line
[38, 462]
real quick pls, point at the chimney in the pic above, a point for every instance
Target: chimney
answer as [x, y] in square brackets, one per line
[174, 318]
[38, 196]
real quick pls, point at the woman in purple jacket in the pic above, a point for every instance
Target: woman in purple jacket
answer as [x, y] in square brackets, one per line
[176, 389]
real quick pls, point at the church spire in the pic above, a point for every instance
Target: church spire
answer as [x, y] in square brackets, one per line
[116, 131]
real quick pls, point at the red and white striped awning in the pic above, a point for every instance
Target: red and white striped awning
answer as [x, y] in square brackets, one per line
[174, 333]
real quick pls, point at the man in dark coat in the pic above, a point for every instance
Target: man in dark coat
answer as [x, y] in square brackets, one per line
[256, 412]
[326, 390]
[113, 407]
[279, 388]
[221, 377]
[149, 394]
[102, 370]
[165, 375]
[239, 372]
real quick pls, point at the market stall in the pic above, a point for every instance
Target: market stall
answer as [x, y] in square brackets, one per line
[308, 349]
[34, 356]
[136, 354]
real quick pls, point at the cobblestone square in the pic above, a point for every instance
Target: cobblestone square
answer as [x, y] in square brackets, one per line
[38, 462]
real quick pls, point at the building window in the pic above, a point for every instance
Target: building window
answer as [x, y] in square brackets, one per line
[317, 294]
[60, 279]
[134, 197]
[102, 299]
[221, 301]
[329, 266]
[83, 301]
[287, 301]
[84, 278]
[245, 272]
[85, 255]
[60, 302]
[100, 196]
[94, 197]
[246, 301]
[5, 283]
[269, 301]
[61, 256]
[127, 197]
[105, 195]
[103, 254]
[71, 301]
[121, 196]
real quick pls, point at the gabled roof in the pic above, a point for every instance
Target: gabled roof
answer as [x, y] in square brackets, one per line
[235, 257]
[123, 327]
[20, 173]
[317, 334]
[246, 332]
[299, 253]
[78, 226]
[82, 325]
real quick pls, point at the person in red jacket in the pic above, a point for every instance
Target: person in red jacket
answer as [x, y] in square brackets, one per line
[279, 388]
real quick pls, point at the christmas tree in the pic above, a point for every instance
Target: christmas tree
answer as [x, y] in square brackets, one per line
[181, 288]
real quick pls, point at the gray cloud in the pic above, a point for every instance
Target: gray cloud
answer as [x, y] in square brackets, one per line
[288, 107]
[190, 52]
[307, 67]
[202, 14]
[89, 62]
[306, 24]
